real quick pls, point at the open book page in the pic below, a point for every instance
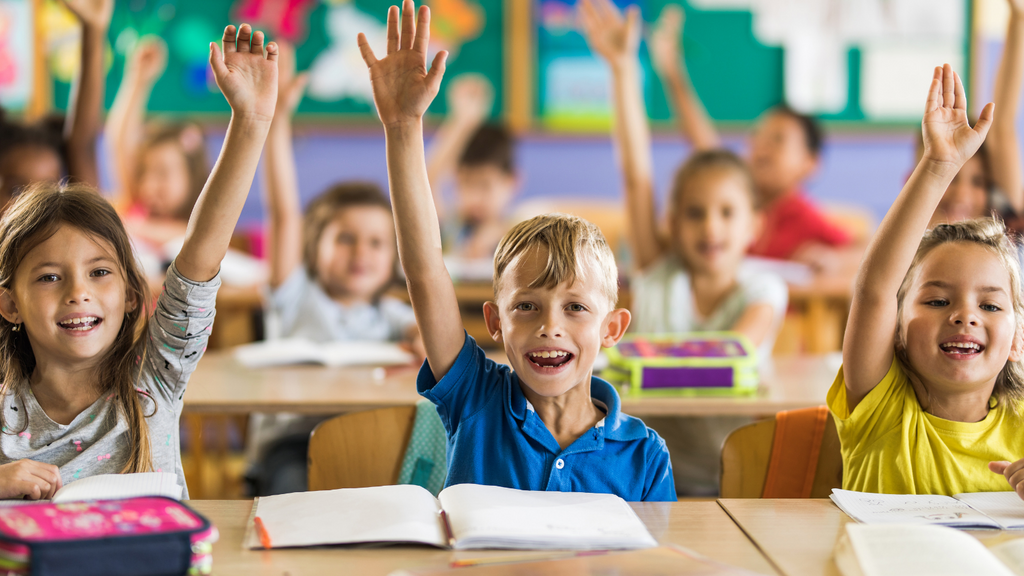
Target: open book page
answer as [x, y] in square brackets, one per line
[914, 550]
[1005, 508]
[495, 517]
[1011, 554]
[909, 509]
[112, 486]
[301, 351]
[350, 516]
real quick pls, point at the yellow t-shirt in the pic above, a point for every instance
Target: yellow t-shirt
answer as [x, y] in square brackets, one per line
[892, 446]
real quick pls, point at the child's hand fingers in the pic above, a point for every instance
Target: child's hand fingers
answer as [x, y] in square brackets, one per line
[217, 60]
[393, 38]
[948, 90]
[228, 41]
[244, 37]
[959, 97]
[273, 51]
[985, 120]
[422, 39]
[998, 467]
[437, 68]
[408, 24]
[257, 43]
[366, 51]
[934, 91]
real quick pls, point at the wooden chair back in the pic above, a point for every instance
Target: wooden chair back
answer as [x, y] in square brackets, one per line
[746, 455]
[360, 449]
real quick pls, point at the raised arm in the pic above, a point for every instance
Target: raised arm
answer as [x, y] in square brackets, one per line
[281, 184]
[470, 97]
[249, 83]
[949, 141]
[83, 124]
[1003, 145]
[666, 56]
[617, 40]
[124, 127]
[402, 90]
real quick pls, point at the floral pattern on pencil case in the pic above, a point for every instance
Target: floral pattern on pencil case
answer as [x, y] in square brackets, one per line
[96, 519]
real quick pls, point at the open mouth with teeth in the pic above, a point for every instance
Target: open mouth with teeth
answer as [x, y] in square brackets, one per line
[83, 324]
[550, 358]
[961, 348]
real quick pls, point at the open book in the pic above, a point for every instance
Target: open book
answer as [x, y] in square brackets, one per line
[915, 550]
[115, 486]
[301, 351]
[1000, 510]
[462, 516]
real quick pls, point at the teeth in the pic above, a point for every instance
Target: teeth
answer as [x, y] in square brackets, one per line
[962, 345]
[553, 354]
[77, 323]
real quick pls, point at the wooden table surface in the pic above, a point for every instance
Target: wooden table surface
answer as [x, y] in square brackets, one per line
[798, 536]
[701, 526]
[223, 386]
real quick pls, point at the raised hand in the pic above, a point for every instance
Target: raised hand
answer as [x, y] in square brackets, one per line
[290, 85]
[247, 78]
[948, 136]
[614, 38]
[95, 13]
[1014, 473]
[148, 61]
[663, 42]
[470, 97]
[403, 88]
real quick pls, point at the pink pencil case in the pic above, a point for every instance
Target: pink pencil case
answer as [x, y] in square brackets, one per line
[145, 536]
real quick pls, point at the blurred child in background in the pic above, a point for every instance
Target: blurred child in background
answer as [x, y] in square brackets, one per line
[39, 153]
[482, 159]
[329, 271]
[785, 150]
[693, 281]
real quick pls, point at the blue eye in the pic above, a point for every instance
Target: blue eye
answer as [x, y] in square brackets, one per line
[990, 308]
[936, 303]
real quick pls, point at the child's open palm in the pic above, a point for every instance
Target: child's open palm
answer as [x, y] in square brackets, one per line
[609, 34]
[247, 78]
[149, 59]
[948, 136]
[403, 88]
[663, 42]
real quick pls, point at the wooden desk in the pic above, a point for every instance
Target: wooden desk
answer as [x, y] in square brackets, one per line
[220, 385]
[701, 526]
[798, 536]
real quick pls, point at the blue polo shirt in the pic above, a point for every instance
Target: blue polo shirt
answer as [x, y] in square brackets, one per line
[495, 437]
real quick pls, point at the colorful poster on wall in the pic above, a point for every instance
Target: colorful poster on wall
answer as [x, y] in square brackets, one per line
[16, 52]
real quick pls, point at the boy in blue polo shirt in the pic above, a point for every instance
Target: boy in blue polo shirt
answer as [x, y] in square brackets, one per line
[547, 424]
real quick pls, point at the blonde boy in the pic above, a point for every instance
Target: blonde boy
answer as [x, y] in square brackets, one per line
[547, 424]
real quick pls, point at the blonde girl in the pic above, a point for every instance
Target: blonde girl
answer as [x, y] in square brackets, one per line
[928, 399]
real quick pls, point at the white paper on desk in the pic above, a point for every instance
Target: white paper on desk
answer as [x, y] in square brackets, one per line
[113, 486]
[495, 517]
[914, 550]
[301, 351]
[401, 513]
[872, 508]
[1011, 554]
[1006, 508]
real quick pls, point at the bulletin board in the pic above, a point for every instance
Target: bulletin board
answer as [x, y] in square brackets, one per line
[323, 30]
[865, 62]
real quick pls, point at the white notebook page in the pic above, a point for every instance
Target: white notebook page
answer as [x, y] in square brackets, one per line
[351, 516]
[908, 509]
[111, 486]
[910, 550]
[494, 517]
[1006, 508]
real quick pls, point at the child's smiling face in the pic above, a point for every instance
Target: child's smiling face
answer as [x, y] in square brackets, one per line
[714, 221]
[356, 253]
[958, 319]
[552, 335]
[70, 295]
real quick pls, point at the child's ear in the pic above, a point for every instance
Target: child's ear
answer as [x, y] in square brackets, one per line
[1017, 348]
[8, 307]
[492, 320]
[615, 327]
[131, 302]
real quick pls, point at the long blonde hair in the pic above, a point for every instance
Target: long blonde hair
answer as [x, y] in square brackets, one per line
[33, 217]
[990, 233]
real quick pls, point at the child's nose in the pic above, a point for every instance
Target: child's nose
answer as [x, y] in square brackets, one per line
[551, 326]
[78, 291]
[964, 316]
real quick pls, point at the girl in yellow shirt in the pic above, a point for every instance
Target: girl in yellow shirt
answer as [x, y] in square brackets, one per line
[930, 394]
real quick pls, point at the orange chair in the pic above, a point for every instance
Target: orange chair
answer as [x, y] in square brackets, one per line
[360, 449]
[793, 455]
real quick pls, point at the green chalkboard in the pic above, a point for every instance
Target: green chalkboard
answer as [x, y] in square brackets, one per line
[739, 74]
[323, 31]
